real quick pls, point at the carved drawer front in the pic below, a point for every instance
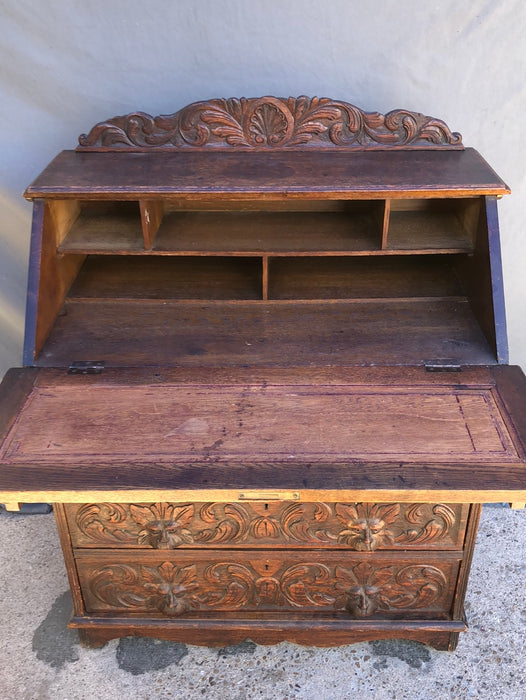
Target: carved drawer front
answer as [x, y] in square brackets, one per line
[354, 526]
[360, 585]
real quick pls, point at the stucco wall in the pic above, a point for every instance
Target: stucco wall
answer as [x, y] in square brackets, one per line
[66, 64]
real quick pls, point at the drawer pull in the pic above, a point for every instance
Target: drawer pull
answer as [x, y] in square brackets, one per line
[269, 496]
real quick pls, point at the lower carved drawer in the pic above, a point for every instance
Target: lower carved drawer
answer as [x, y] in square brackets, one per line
[417, 585]
[356, 526]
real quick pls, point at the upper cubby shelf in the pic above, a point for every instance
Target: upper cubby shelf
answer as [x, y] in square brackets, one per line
[337, 227]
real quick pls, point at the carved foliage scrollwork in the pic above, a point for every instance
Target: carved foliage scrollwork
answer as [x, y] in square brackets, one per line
[428, 528]
[358, 526]
[270, 123]
[362, 589]
[368, 589]
[104, 522]
[167, 588]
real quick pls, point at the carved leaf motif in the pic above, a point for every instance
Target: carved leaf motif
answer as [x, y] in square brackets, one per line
[231, 586]
[270, 122]
[307, 584]
[230, 523]
[296, 525]
[167, 587]
[368, 589]
[163, 524]
[417, 587]
[432, 529]
[96, 521]
[366, 524]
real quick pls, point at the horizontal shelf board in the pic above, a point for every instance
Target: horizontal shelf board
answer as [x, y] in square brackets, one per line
[285, 174]
[168, 278]
[266, 334]
[137, 251]
[268, 232]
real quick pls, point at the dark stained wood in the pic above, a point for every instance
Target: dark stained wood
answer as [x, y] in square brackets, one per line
[441, 634]
[309, 175]
[453, 478]
[497, 285]
[33, 282]
[105, 228]
[511, 388]
[481, 274]
[15, 387]
[69, 559]
[271, 123]
[252, 233]
[402, 332]
[363, 278]
[269, 457]
[209, 471]
[126, 277]
[465, 566]
[386, 214]
[428, 224]
[151, 217]
[55, 275]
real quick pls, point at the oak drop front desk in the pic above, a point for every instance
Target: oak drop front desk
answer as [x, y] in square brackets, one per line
[266, 381]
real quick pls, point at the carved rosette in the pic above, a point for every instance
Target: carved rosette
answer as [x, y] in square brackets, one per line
[270, 123]
[363, 527]
[361, 590]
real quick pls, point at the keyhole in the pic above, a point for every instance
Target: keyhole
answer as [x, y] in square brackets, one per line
[266, 506]
[266, 567]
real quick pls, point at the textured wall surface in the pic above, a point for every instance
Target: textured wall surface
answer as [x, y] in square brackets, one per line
[66, 64]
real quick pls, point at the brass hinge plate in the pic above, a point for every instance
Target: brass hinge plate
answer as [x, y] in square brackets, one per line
[86, 367]
[442, 366]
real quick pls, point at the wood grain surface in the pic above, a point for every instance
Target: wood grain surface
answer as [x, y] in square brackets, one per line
[277, 175]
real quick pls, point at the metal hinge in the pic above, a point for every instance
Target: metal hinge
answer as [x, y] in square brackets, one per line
[442, 366]
[86, 367]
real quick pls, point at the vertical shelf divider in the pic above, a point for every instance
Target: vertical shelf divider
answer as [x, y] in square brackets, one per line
[385, 223]
[264, 277]
[151, 216]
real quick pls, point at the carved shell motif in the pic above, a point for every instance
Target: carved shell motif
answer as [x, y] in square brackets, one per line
[270, 123]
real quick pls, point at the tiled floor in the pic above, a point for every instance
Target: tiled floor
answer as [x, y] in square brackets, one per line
[40, 659]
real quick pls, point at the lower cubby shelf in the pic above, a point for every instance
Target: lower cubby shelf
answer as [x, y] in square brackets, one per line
[241, 278]
[152, 277]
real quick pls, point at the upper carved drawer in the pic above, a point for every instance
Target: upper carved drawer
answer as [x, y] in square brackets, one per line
[355, 526]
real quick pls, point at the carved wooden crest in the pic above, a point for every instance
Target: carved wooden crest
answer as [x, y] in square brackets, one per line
[270, 123]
